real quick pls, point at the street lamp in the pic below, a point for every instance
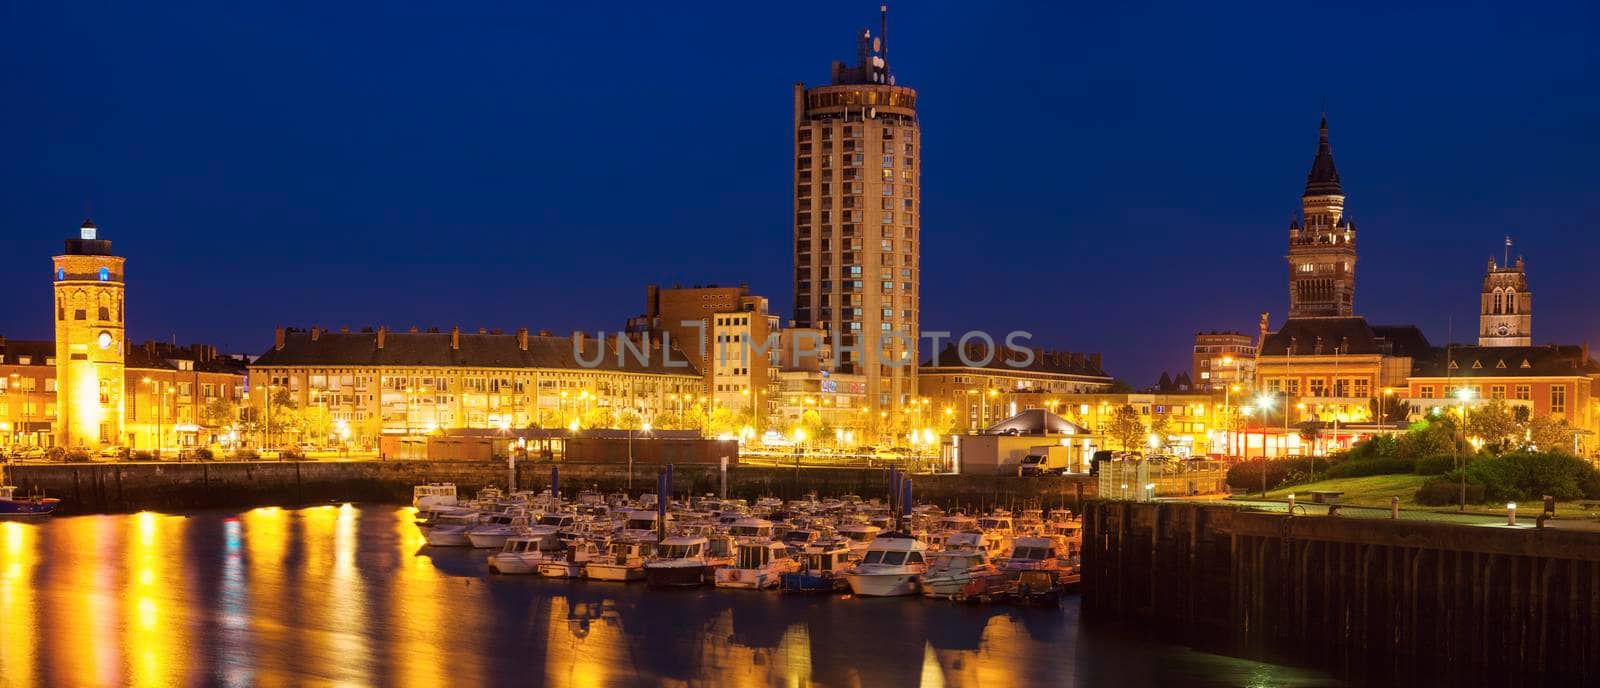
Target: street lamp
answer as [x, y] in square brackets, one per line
[1464, 394]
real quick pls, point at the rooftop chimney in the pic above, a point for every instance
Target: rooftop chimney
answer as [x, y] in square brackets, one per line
[1094, 361]
[316, 333]
[277, 340]
[344, 330]
[383, 331]
[522, 338]
[455, 337]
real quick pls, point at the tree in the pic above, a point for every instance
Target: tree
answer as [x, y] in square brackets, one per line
[1388, 409]
[1494, 422]
[219, 413]
[1126, 427]
[316, 423]
[666, 420]
[1547, 434]
[597, 417]
[723, 421]
[1436, 437]
[1160, 428]
[1310, 430]
[629, 419]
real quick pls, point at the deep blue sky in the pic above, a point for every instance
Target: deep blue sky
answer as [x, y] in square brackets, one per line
[1110, 176]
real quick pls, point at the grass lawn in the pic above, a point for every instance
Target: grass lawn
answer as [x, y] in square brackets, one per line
[1372, 490]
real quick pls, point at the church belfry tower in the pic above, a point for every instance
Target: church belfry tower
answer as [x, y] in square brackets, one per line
[89, 342]
[1322, 243]
[1506, 305]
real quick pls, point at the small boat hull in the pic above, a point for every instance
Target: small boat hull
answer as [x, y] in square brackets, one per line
[882, 584]
[614, 572]
[446, 536]
[511, 564]
[677, 576]
[561, 569]
[28, 508]
[802, 582]
[745, 579]
[488, 540]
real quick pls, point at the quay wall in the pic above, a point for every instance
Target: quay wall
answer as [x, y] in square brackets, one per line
[1378, 601]
[163, 486]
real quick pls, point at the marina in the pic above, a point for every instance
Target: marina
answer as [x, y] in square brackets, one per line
[351, 594]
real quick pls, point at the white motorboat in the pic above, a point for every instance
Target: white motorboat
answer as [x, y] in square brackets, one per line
[685, 561]
[1034, 554]
[860, 536]
[624, 560]
[514, 556]
[750, 528]
[492, 531]
[958, 566]
[570, 562]
[431, 495]
[891, 567]
[757, 565]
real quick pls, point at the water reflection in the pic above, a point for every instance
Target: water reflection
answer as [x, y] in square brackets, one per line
[349, 595]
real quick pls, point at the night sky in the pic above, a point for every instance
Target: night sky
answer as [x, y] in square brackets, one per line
[1110, 176]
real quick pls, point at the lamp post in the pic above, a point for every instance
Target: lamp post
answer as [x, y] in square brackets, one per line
[646, 429]
[1266, 403]
[1465, 395]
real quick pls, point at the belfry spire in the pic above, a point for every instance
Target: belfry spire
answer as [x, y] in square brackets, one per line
[1323, 180]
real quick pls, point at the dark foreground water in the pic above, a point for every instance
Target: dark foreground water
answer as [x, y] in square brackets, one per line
[350, 596]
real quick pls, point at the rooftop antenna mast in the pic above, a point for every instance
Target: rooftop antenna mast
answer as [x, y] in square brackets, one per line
[883, 34]
[1508, 252]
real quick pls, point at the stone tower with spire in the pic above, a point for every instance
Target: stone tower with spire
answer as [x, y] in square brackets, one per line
[1506, 306]
[1322, 243]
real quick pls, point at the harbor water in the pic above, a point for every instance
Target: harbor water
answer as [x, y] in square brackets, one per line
[350, 595]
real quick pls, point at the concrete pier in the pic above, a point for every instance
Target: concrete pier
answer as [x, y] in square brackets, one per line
[121, 487]
[1401, 602]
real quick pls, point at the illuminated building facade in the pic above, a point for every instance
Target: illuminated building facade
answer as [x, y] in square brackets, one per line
[725, 336]
[1224, 359]
[89, 342]
[377, 382]
[977, 397]
[857, 228]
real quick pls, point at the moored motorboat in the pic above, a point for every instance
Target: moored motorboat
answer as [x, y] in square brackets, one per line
[624, 560]
[34, 506]
[432, 495]
[684, 561]
[570, 562]
[822, 562]
[890, 567]
[958, 566]
[522, 554]
[757, 565]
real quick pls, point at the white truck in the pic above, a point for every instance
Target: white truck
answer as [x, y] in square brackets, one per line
[1048, 459]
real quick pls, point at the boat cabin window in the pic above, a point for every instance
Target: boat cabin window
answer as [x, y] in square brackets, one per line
[1033, 553]
[751, 531]
[894, 558]
[859, 535]
[681, 551]
[640, 524]
[914, 558]
[873, 557]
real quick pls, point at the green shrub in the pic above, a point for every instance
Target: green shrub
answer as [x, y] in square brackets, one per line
[141, 455]
[204, 454]
[1352, 468]
[246, 455]
[76, 455]
[55, 454]
[1432, 439]
[1526, 476]
[1444, 492]
[1436, 465]
[1380, 447]
[1280, 472]
[291, 455]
